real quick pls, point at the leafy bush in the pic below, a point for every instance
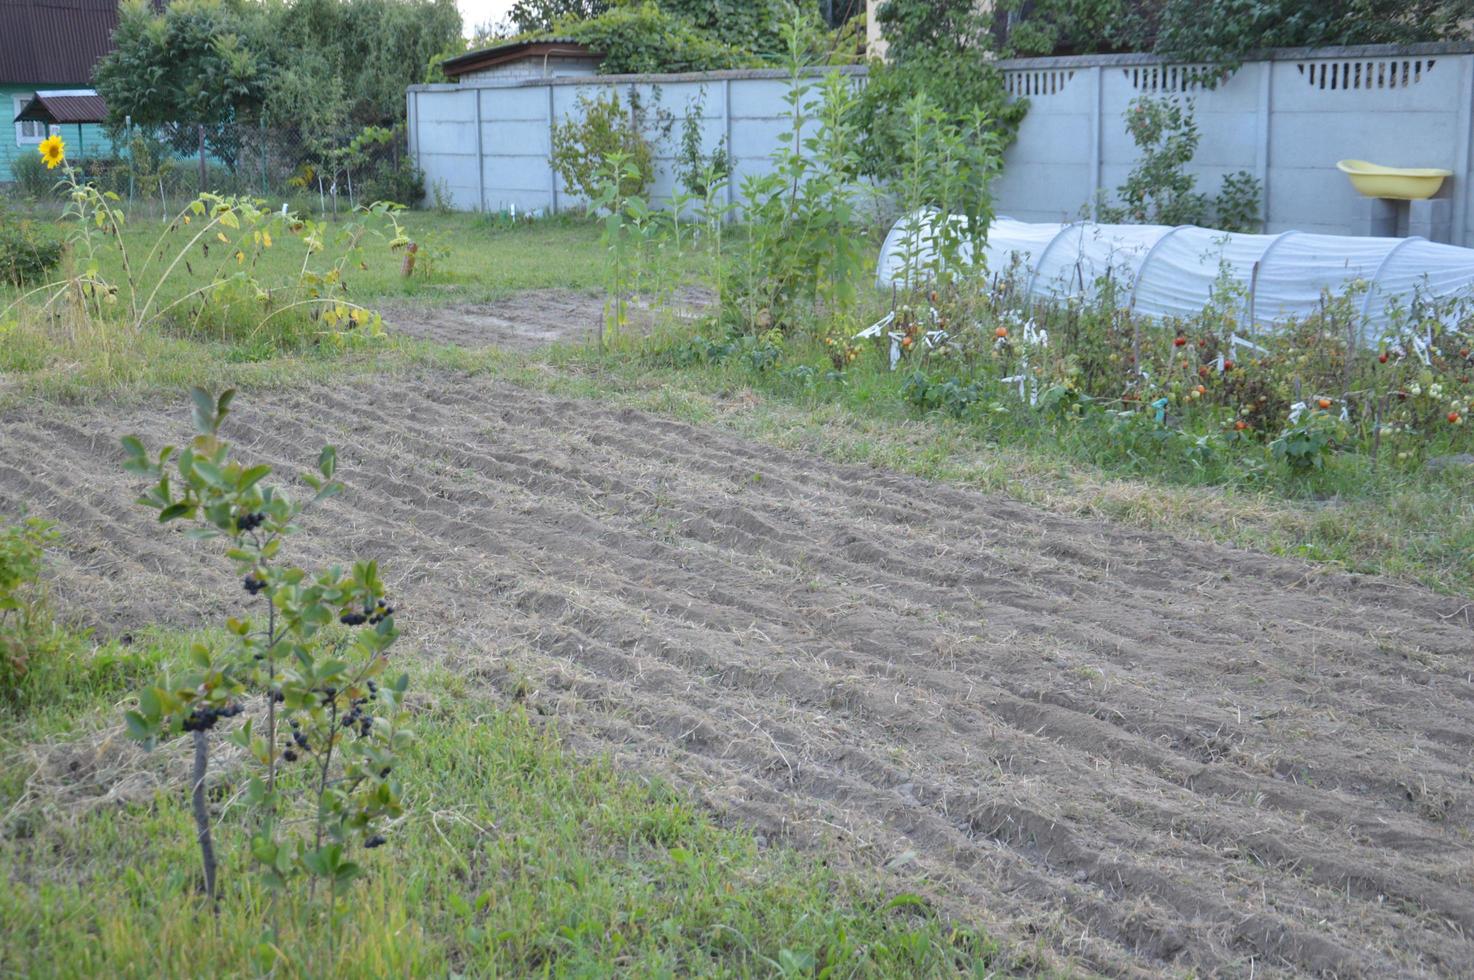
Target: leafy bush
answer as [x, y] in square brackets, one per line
[946, 168]
[1237, 207]
[1306, 443]
[27, 253]
[1223, 31]
[641, 38]
[802, 247]
[24, 619]
[697, 170]
[403, 183]
[601, 130]
[950, 395]
[32, 178]
[939, 49]
[1159, 190]
[755, 26]
[326, 703]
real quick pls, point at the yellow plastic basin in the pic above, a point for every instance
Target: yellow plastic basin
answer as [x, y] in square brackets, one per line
[1397, 183]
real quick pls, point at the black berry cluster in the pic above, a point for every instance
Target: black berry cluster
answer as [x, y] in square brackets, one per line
[253, 584]
[203, 717]
[375, 841]
[373, 615]
[249, 522]
[358, 718]
[381, 612]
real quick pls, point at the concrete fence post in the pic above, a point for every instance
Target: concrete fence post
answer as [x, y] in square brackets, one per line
[552, 170]
[480, 157]
[731, 150]
[1463, 193]
[1265, 113]
[1097, 138]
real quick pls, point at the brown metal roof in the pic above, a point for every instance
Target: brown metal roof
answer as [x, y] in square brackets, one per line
[50, 108]
[54, 42]
[500, 54]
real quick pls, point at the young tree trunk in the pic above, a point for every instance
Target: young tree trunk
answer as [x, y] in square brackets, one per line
[202, 811]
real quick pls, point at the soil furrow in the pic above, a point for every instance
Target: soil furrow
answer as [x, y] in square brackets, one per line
[1147, 755]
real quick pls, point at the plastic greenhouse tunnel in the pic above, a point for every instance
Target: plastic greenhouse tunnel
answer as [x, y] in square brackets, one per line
[1163, 271]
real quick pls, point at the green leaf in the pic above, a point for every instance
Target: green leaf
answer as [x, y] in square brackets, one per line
[173, 512]
[249, 478]
[264, 850]
[203, 411]
[149, 706]
[139, 728]
[327, 462]
[209, 472]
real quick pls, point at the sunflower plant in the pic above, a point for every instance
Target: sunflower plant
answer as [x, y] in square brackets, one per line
[215, 244]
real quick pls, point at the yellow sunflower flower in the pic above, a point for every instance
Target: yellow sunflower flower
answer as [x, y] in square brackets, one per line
[53, 151]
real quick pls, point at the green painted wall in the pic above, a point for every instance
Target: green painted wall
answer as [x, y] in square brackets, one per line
[82, 142]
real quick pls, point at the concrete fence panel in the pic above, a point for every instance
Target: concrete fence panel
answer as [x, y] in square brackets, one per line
[1286, 118]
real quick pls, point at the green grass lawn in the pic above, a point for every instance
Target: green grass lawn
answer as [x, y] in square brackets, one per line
[514, 859]
[483, 257]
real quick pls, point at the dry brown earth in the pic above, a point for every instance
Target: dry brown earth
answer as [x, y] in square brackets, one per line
[1143, 755]
[528, 320]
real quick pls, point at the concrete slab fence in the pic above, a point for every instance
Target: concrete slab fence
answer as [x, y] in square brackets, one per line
[1286, 118]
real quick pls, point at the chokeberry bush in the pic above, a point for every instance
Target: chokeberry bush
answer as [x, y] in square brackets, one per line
[305, 664]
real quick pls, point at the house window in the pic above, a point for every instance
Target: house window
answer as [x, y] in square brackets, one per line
[29, 131]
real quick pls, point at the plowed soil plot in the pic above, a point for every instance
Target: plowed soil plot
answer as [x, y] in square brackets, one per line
[530, 320]
[1140, 754]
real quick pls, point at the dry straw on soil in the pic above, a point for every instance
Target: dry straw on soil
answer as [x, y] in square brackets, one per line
[1143, 753]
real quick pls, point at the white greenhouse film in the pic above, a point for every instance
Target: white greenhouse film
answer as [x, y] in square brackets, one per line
[1161, 271]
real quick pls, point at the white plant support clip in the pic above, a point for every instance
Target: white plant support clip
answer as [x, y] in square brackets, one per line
[875, 329]
[1028, 385]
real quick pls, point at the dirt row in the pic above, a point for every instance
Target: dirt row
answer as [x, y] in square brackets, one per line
[530, 320]
[1141, 755]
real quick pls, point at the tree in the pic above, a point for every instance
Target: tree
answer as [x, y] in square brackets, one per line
[319, 65]
[187, 63]
[1044, 27]
[183, 67]
[916, 29]
[1223, 31]
[938, 49]
[531, 16]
